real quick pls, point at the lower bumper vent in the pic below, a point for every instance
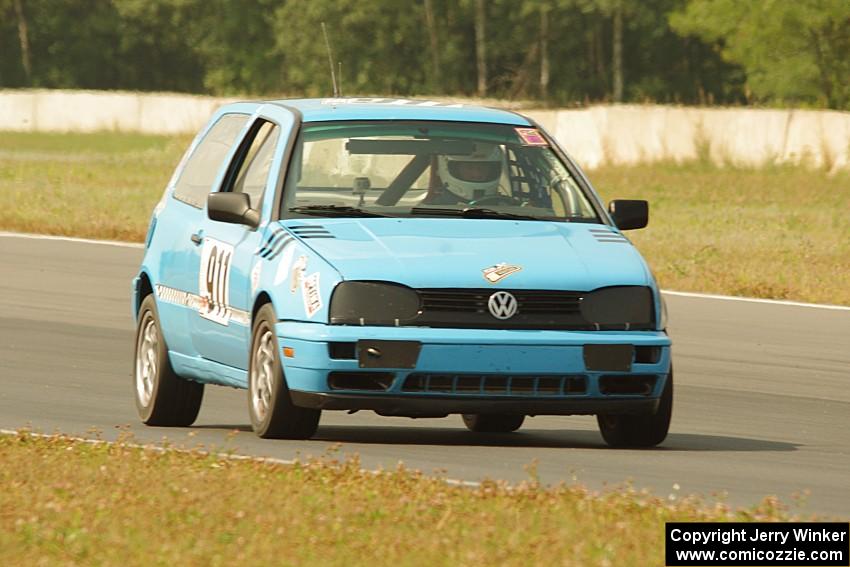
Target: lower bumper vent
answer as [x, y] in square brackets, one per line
[505, 384]
[640, 385]
[369, 381]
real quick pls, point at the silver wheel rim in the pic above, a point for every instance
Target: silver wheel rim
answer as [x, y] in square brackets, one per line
[262, 375]
[147, 360]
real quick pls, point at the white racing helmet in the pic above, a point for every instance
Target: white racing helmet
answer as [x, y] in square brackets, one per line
[474, 175]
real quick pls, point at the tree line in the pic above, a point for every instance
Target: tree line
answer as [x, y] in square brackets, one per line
[558, 52]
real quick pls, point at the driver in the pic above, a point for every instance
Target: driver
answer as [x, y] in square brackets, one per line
[473, 176]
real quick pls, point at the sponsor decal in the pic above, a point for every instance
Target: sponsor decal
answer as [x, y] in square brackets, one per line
[256, 272]
[297, 273]
[214, 280]
[311, 295]
[495, 274]
[196, 302]
[178, 297]
[531, 137]
[502, 305]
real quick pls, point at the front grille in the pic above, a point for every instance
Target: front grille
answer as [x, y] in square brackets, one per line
[536, 309]
[499, 384]
[475, 301]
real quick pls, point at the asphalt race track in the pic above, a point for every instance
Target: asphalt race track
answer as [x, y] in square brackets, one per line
[762, 393]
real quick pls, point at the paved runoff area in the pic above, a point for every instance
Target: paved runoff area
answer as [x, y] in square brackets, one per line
[762, 400]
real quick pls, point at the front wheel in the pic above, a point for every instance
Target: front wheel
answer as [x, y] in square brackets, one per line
[162, 397]
[492, 423]
[273, 416]
[640, 430]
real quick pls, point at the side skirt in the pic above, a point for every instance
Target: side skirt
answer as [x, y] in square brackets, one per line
[208, 372]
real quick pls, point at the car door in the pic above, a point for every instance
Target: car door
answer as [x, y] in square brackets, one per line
[177, 225]
[221, 329]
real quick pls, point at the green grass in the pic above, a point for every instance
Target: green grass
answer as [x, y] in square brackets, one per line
[93, 185]
[775, 232]
[72, 503]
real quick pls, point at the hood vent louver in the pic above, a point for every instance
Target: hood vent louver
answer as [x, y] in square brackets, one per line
[311, 231]
[606, 235]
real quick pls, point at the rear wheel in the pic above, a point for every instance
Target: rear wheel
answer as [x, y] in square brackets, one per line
[162, 397]
[492, 423]
[640, 430]
[273, 416]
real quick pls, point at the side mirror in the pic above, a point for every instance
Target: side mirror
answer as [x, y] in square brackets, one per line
[629, 214]
[234, 208]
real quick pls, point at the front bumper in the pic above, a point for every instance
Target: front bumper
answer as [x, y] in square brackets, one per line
[439, 406]
[473, 371]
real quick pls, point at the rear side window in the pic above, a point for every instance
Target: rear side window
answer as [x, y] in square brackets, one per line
[198, 175]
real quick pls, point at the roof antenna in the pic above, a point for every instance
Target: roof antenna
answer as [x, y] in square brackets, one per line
[339, 74]
[330, 60]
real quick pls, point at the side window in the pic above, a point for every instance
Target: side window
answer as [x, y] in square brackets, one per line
[254, 166]
[198, 175]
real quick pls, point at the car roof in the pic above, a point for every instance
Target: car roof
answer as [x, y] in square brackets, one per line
[354, 108]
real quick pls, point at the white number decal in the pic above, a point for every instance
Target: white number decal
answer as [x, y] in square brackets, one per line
[214, 280]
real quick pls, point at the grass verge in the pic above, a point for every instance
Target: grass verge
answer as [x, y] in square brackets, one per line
[777, 232]
[91, 185]
[74, 503]
[774, 232]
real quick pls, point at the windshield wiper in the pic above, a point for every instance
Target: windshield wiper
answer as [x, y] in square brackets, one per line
[333, 211]
[470, 213]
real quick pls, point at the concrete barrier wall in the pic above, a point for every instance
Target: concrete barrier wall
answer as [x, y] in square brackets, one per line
[629, 134]
[598, 135]
[92, 111]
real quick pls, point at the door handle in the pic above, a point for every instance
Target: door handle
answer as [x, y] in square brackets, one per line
[196, 238]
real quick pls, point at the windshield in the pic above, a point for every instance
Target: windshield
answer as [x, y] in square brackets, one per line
[400, 169]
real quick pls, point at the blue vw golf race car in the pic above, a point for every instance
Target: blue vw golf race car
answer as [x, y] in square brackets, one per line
[413, 258]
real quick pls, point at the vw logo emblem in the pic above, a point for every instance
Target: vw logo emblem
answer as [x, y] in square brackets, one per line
[502, 305]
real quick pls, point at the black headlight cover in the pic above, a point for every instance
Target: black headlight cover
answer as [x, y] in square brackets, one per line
[629, 307]
[373, 303]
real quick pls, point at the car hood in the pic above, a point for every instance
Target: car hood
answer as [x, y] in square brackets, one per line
[433, 252]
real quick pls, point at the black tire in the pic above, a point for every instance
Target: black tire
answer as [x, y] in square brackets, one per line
[640, 430]
[273, 416]
[162, 397]
[492, 423]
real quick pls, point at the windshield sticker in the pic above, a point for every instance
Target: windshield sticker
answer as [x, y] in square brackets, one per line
[495, 274]
[311, 295]
[297, 273]
[214, 280]
[531, 137]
